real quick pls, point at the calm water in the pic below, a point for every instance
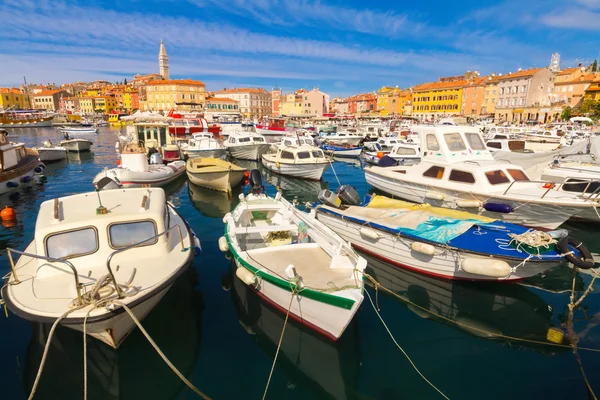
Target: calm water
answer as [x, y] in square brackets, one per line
[219, 335]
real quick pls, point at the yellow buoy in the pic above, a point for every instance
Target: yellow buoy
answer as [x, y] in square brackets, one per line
[555, 335]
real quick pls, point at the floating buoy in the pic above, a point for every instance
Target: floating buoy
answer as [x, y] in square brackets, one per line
[423, 248]
[38, 170]
[468, 203]
[498, 207]
[26, 179]
[485, 267]
[223, 244]
[380, 154]
[12, 184]
[245, 276]
[369, 233]
[555, 335]
[8, 214]
[548, 185]
[434, 196]
[119, 162]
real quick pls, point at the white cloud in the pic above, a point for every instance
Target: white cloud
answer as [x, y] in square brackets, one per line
[573, 18]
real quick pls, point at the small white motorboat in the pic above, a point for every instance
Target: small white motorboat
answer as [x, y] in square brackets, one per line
[75, 145]
[294, 261]
[343, 137]
[95, 252]
[136, 171]
[401, 153]
[84, 130]
[203, 145]
[19, 165]
[303, 161]
[343, 151]
[246, 145]
[49, 153]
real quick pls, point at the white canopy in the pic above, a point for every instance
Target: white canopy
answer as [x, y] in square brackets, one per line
[145, 116]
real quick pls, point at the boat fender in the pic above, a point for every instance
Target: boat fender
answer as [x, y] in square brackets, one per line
[583, 260]
[558, 233]
[498, 207]
[369, 233]
[486, 267]
[423, 248]
[223, 246]
[468, 203]
[434, 196]
[26, 179]
[38, 170]
[12, 184]
[277, 165]
[245, 276]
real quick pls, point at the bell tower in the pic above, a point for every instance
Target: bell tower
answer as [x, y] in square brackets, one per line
[163, 61]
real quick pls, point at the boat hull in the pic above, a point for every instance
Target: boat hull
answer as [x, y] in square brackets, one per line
[21, 176]
[72, 131]
[222, 181]
[157, 176]
[28, 124]
[445, 263]
[77, 146]
[207, 153]
[305, 171]
[48, 155]
[250, 152]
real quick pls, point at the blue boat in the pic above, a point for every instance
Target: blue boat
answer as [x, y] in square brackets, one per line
[341, 151]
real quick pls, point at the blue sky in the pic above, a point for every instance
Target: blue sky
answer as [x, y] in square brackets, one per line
[343, 47]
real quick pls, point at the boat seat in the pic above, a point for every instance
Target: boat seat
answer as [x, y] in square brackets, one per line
[264, 228]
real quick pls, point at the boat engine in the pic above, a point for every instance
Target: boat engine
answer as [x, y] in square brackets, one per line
[107, 183]
[348, 195]
[255, 180]
[329, 198]
[156, 159]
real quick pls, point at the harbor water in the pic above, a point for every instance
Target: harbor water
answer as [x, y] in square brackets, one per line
[471, 340]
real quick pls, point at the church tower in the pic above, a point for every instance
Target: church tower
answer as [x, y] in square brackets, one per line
[163, 61]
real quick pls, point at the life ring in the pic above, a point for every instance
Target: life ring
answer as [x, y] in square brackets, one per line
[583, 260]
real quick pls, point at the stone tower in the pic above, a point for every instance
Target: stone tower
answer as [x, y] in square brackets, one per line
[555, 62]
[163, 61]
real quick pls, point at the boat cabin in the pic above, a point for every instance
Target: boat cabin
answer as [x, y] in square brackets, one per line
[245, 139]
[12, 155]
[507, 145]
[300, 154]
[72, 228]
[387, 143]
[405, 150]
[301, 140]
[451, 144]
[156, 138]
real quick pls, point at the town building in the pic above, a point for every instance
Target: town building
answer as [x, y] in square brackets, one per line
[275, 102]
[253, 102]
[339, 106]
[593, 91]
[13, 98]
[105, 104]
[388, 101]
[570, 85]
[490, 96]
[437, 99]
[173, 94]
[222, 105]
[141, 80]
[163, 62]
[48, 99]
[365, 103]
[87, 105]
[69, 105]
[473, 97]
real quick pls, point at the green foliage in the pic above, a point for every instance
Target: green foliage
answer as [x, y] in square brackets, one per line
[595, 66]
[125, 81]
[588, 106]
[566, 114]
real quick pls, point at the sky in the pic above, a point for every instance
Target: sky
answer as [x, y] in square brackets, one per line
[341, 47]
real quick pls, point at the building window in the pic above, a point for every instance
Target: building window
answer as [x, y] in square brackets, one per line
[571, 88]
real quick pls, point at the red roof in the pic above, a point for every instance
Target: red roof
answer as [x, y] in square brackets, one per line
[48, 92]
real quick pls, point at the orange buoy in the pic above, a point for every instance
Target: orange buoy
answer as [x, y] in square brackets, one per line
[379, 154]
[246, 174]
[119, 162]
[8, 214]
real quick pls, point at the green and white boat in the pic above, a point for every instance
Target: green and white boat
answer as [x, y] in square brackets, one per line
[294, 262]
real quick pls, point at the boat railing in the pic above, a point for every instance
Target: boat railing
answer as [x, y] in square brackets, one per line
[124, 249]
[9, 252]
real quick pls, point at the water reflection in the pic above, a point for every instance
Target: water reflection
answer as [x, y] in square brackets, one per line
[356, 162]
[134, 371]
[301, 190]
[213, 203]
[329, 368]
[482, 309]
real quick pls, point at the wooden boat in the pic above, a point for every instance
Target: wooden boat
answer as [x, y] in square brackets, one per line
[204, 145]
[76, 145]
[443, 243]
[18, 164]
[303, 161]
[136, 171]
[71, 265]
[214, 173]
[294, 262]
[246, 145]
[343, 151]
[24, 119]
[49, 153]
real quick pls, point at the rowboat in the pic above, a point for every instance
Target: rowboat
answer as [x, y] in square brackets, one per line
[343, 151]
[213, 173]
[76, 145]
[48, 153]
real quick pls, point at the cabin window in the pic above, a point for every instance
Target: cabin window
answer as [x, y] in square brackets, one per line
[461, 176]
[303, 155]
[287, 143]
[287, 155]
[432, 143]
[454, 142]
[434, 172]
[73, 243]
[497, 177]
[405, 151]
[244, 139]
[475, 141]
[130, 233]
[518, 175]
[494, 145]
[258, 139]
[317, 154]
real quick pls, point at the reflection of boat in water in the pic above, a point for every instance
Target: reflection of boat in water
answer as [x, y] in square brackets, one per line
[352, 161]
[486, 310]
[80, 157]
[134, 371]
[212, 203]
[329, 368]
[247, 164]
[302, 190]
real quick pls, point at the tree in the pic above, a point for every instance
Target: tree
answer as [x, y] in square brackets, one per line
[125, 81]
[588, 106]
[595, 66]
[566, 114]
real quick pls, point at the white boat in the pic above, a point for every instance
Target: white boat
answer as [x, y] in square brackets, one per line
[458, 171]
[441, 242]
[94, 252]
[402, 153]
[49, 153]
[384, 144]
[343, 137]
[75, 145]
[135, 170]
[213, 173]
[295, 262]
[343, 151]
[204, 145]
[246, 145]
[304, 161]
[72, 130]
[19, 165]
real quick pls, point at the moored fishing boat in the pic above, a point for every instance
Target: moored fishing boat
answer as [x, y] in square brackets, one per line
[72, 130]
[343, 151]
[213, 173]
[246, 145]
[49, 153]
[401, 153]
[24, 119]
[450, 244]
[76, 145]
[303, 161]
[294, 262]
[69, 270]
[204, 145]
[19, 165]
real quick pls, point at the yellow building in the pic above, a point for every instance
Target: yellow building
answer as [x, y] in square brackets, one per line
[388, 99]
[291, 103]
[174, 94]
[87, 105]
[13, 98]
[436, 99]
[93, 92]
[490, 96]
[105, 104]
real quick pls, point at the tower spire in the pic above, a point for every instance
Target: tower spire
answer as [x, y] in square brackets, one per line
[163, 61]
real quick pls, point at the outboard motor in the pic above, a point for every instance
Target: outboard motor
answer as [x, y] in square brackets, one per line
[255, 181]
[387, 161]
[329, 198]
[348, 195]
[107, 183]
[156, 159]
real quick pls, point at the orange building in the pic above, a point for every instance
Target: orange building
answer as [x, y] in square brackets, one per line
[473, 96]
[362, 103]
